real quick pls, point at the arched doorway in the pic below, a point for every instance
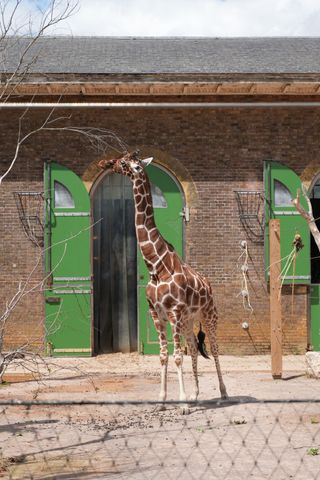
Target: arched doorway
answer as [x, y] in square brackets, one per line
[114, 252]
[121, 321]
[314, 195]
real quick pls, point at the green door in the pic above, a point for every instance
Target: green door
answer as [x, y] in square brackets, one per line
[315, 273]
[67, 263]
[168, 207]
[281, 185]
[315, 317]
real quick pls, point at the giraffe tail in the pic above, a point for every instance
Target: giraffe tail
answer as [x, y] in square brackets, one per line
[201, 345]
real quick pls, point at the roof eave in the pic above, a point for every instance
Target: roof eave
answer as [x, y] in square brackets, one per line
[162, 88]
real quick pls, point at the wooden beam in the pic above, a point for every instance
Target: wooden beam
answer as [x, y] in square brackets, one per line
[275, 299]
[166, 88]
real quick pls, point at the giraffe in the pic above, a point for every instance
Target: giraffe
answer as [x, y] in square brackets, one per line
[175, 292]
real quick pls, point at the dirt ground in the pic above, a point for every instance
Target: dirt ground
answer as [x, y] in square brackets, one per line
[233, 441]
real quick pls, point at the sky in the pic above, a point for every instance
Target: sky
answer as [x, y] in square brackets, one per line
[222, 18]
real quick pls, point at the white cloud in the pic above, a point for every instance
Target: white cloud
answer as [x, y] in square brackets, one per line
[195, 18]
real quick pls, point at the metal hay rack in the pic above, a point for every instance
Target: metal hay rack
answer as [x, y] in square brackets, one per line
[30, 207]
[251, 213]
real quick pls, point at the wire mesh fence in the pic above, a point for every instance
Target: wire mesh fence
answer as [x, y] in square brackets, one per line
[235, 439]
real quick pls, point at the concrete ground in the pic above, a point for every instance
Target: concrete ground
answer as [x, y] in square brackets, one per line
[258, 441]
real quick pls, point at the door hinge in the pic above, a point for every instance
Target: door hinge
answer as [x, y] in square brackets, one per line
[53, 300]
[65, 279]
[72, 214]
[185, 214]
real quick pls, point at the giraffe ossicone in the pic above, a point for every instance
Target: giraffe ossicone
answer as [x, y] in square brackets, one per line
[176, 293]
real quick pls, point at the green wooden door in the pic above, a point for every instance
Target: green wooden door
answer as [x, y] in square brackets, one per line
[281, 185]
[168, 206]
[67, 262]
[315, 317]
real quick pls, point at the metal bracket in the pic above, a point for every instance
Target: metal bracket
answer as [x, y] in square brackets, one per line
[71, 291]
[185, 214]
[66, 279]
[71, 214]
[285, 212]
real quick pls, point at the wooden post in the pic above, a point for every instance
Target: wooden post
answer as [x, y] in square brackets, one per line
[275, 299]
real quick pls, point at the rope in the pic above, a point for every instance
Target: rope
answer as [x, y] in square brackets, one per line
[291, 260]
[244, 280]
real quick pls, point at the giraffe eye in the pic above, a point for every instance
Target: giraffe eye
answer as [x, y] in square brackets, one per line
[123, 163]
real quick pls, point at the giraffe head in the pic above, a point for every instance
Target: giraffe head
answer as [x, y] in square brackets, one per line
[129, 164]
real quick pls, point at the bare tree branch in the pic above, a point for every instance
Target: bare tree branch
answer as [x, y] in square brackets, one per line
[100, 139]
[20, 49]
[25, 41]
[24, 289]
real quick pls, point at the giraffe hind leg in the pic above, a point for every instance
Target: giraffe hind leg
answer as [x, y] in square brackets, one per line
[210, 323]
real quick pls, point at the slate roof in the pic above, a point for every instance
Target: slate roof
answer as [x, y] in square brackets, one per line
[129, 55]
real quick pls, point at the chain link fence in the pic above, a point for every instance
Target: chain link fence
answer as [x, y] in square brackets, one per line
[234, 439]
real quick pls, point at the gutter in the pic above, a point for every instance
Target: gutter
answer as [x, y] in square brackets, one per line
[145, 105]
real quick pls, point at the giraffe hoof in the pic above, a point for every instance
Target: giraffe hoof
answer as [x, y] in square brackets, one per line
[193, 398]
[185, 410]
[224, 396]
[160, 408]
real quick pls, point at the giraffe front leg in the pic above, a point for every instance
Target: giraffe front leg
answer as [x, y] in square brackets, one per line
[175, 321]
[160, 326]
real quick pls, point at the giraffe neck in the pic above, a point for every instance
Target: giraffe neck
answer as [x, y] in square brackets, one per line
[153, 247]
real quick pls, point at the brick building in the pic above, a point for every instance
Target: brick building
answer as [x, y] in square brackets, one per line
[233, 126]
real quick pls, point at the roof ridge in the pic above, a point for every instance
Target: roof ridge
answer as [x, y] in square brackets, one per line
[179, 37]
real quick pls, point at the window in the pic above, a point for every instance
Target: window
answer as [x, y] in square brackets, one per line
[158, 199]
[282, 196]
[62, 196]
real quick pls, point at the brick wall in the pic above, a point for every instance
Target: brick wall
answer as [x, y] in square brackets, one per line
[221, 151]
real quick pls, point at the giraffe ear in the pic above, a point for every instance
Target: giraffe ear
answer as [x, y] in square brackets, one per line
[146, 161]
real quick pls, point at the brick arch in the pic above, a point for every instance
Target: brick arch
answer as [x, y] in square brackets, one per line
[310, 174]
[170, 163]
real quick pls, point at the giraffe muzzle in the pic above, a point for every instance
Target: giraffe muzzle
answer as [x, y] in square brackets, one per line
[106, 164]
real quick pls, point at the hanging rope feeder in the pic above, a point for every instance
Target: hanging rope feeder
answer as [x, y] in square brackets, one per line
[297, 246]
[297, 242]
[244, 292]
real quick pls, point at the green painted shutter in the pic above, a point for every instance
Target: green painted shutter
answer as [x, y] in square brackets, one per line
[170, 224]
[281, 185]
[67, 262]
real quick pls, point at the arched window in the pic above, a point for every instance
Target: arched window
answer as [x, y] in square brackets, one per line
[62, 196]
[282, 196]
[158, 199]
